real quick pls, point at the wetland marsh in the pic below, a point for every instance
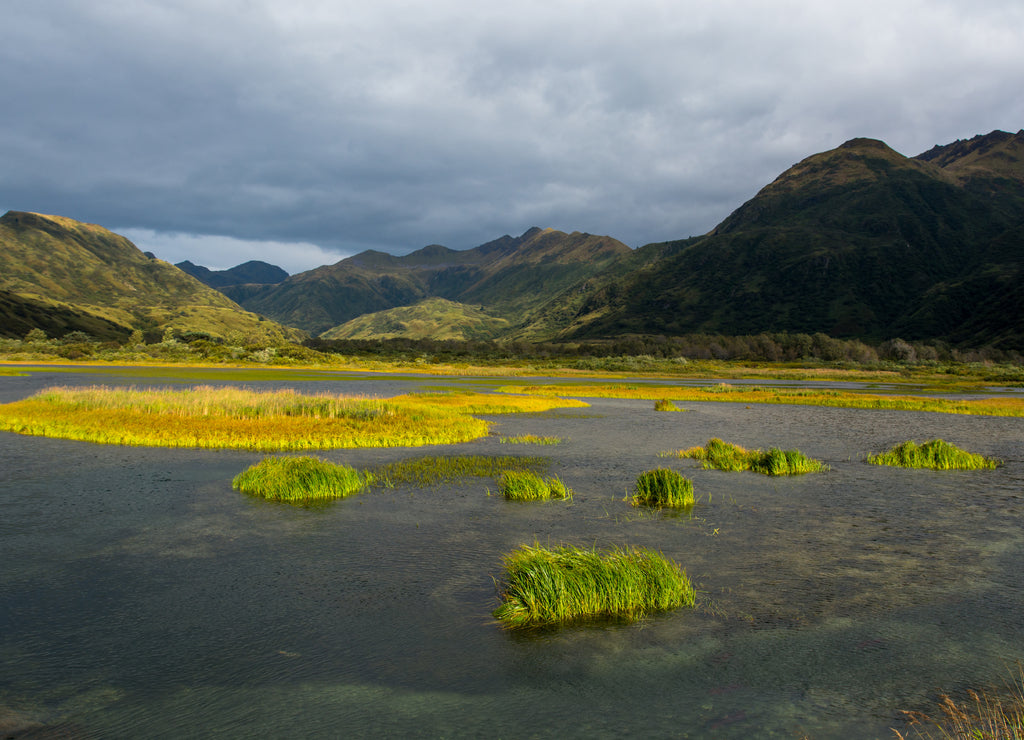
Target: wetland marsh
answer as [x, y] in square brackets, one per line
[141, 596]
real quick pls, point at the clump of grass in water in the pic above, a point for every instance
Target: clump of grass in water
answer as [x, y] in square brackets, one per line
[663, 487]
[935, 454]
[530, 439]
[299, 479]
[565, 584]
[719, 455]
[430, 471]
[528, 486]
[664, 404]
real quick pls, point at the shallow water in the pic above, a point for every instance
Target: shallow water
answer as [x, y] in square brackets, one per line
[140, 596]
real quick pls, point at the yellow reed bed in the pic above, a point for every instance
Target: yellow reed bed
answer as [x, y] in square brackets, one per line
[800, 397]
[240, 418]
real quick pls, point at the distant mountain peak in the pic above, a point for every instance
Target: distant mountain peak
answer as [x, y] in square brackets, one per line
[253, 272]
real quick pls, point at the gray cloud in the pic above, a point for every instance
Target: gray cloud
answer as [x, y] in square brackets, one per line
[393, 125]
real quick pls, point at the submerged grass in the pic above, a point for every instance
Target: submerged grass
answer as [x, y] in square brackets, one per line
[565, 584]
[298, 479]
[663, 487]
[724, 392]
[530, 439]
[935, 454]
[231, 417]
[430, 471]
[524, 485]
[719, 455]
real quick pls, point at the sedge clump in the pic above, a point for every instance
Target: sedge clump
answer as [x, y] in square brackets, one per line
[525, 485]
[299, 479]
[720, 455]
[559, 585]
[663, 487]
[935, 454]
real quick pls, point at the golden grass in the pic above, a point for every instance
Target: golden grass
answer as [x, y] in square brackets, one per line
[986, 715]
[240, 418]
[724, 392]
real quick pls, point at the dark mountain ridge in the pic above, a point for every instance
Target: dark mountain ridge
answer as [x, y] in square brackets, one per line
[252, 272]
[859, 241]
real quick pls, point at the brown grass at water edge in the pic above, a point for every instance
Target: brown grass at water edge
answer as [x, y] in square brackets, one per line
[726, 393]
[229, 417]
[985, 715]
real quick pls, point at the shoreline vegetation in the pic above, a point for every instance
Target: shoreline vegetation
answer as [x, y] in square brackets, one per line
[240, 418]
[566, 584]
[727, 393]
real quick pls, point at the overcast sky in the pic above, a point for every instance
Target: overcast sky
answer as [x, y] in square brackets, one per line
[303, 131]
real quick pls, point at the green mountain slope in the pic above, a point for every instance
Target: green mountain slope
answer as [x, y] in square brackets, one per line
[510, 276]
[431, 318]
[19, 316]
[859, 241]
[89, 271]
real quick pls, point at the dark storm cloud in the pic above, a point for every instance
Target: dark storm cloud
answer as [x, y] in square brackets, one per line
[258, 129]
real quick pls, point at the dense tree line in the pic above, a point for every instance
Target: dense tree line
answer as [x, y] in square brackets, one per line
[763, 347]
[778, 347]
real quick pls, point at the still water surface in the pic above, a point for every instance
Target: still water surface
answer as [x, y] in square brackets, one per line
[140, 596]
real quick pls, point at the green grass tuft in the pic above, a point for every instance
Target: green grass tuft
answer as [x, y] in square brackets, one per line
[664, 404]
[528, 486]
[935, 454]
[719, 455]
[663, 487]
[298, 479]
[565, 584]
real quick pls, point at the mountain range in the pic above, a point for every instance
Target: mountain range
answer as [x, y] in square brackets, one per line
[856, 242]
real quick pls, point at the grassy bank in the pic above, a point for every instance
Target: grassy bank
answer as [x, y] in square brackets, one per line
[230, 417]
[727, 393]
[564, 584]
[719, 455]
